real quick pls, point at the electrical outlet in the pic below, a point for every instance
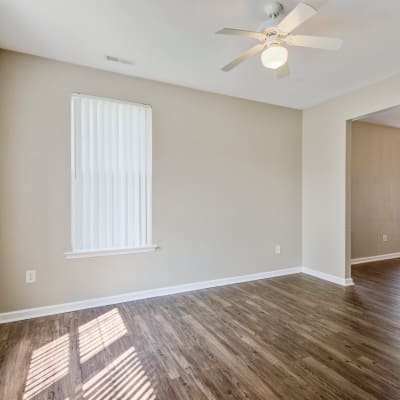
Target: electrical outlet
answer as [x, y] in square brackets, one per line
[30, 276]
[385, 237]
[278, 249]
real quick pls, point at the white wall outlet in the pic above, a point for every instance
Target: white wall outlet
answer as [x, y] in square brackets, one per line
[30, 276]
[385, 237]
[278, 249]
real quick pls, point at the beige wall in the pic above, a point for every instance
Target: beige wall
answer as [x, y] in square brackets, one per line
[326, 203]
[375, 189]
[226, 187]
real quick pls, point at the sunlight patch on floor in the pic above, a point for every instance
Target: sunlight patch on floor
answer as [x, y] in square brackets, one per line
[99, 333]
[49, 363]
[124, 378]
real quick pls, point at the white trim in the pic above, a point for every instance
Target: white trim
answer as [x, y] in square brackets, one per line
[380, 257]
[328, 277]
[145, 294]
[108, 252]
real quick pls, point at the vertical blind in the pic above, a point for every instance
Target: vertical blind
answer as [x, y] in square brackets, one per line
[111, 174]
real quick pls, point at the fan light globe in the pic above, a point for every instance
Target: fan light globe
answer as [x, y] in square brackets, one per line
[274, 56]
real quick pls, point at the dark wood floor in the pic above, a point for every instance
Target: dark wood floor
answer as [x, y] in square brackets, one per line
[291, 337]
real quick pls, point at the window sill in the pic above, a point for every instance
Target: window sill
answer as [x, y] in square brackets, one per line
[112, 252]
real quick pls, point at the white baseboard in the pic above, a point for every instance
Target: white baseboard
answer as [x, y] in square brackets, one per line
[145, 294]
[380, 257]
[328, 277]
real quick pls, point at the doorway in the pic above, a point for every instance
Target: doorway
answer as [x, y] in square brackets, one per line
[374, 189]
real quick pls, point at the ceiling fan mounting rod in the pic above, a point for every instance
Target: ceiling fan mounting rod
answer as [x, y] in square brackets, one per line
[273, 9]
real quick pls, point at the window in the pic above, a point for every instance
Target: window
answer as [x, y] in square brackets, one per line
[111, 176]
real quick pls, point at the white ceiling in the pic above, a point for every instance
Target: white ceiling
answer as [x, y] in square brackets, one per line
[174, 41]
[389, 117]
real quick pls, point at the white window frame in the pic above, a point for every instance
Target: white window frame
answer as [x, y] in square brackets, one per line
[113, 251]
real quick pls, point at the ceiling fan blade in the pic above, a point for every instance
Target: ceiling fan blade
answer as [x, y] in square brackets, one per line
[316, 42]
[238, 32]
[249, 53]
[283, 71]
[296, 17]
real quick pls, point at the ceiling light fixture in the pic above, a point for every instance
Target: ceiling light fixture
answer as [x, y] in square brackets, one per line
[274, 56]
[277, 33]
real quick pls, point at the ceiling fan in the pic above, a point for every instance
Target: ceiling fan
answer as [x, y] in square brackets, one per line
[273, 39]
